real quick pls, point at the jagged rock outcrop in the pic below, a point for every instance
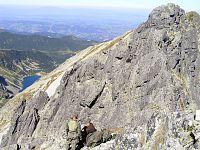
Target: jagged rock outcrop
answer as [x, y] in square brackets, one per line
[136, 83]
[4, 92]
[25, 119]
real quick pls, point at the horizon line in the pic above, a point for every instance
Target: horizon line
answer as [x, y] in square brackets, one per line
[77, 6]
[89, 6]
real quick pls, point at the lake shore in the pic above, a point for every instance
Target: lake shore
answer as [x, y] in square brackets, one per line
[28, 81]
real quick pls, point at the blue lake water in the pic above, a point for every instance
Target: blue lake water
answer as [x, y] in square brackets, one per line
[3, 81]
[28, 81]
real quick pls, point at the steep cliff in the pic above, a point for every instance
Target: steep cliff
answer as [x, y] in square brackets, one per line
[144, 83]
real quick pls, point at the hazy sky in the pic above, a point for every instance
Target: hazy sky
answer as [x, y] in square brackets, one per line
[186, 4]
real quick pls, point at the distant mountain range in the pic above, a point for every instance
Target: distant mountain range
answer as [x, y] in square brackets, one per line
[99, 24]
[42, 43]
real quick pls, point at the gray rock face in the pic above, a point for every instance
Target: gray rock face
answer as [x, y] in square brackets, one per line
[137, 82]
[176, 131]
[4, 92]
[25, 120]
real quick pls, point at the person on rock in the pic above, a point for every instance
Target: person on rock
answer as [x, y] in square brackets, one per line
[91, 137]
[73, 130]
[88, 130]
[89, 127]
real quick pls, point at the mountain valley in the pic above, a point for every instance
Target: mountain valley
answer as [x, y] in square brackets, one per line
[25, 55]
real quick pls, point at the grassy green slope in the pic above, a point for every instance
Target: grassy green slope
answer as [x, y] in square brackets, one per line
[25, 62]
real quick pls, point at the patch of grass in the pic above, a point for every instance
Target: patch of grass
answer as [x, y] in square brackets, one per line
[142, 138]
[2, 123]
[2, 102]
[159, 137]
[181, 104]
[13, 78]
[183, 81]
[53, 78]
[186, 91]
[26, 95]
[112, 43]
[105, 46]
[116, 130]
[153, 106]
[191, 15]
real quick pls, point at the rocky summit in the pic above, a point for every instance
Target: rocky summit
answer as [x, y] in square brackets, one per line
[143, 86]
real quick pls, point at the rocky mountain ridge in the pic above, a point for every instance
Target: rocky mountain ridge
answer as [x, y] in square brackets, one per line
[144, 83]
